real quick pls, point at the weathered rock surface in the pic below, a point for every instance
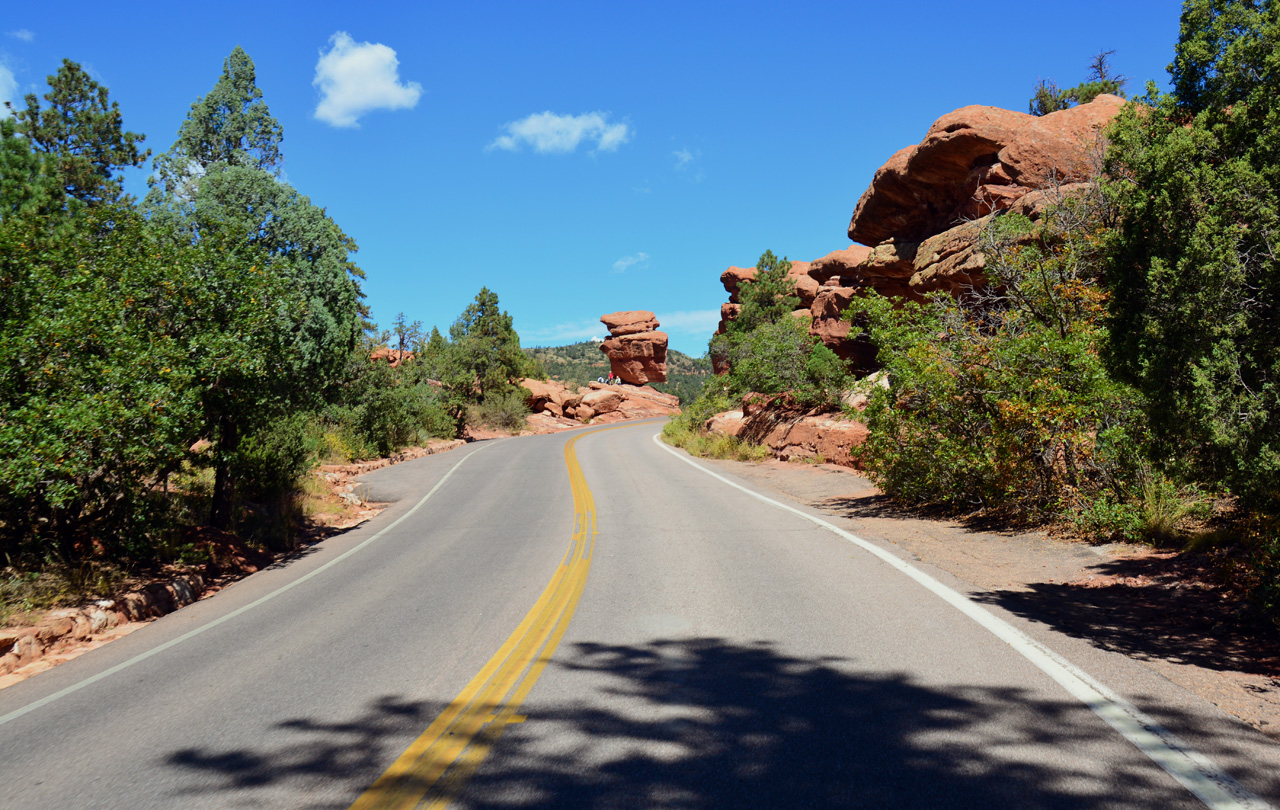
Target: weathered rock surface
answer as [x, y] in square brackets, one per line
[973, 161]
[927, 206]
[790, 432]
[556, 407]
[392, 357]
[637, 352]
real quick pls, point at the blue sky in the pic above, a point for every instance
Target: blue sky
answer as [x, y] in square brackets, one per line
[582, 158]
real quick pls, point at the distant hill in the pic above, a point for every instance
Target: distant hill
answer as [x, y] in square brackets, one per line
[583, 362]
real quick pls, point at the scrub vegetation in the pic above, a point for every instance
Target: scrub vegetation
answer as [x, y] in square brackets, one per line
[1119, 372]
[187, 359]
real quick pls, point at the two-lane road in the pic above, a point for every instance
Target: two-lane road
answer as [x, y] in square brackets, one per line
[588, 620]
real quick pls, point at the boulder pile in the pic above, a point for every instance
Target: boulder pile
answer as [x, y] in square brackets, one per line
[556, 406]
[637, 352]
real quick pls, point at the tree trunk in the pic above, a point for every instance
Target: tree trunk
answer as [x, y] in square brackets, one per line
[224, 486]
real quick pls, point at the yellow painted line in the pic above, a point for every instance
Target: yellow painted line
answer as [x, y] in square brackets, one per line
[437, 765]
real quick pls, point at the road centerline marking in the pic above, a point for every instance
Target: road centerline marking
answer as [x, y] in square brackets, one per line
[439, 763]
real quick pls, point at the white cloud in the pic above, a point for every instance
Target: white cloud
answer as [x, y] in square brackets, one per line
[548, 132]
[358, 77]
[683, 157]
[702, 321]
[562, 333]
[8, 89]
[22, 34]
[627, 262]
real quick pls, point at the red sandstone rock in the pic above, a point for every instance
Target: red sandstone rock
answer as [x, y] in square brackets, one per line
[729, 423]
[975, 160]
[602, 400]
[636, 357]
[839, 263]
[393, 357]
[630, 322]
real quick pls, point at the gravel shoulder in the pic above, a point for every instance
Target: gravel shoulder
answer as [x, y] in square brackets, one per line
[1156, 607]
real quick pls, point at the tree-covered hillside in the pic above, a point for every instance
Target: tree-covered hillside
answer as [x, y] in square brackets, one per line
[582, 362]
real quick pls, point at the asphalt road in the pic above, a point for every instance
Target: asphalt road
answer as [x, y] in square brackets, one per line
[587, 620]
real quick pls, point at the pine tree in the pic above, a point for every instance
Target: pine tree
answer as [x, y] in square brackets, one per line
[82, 133]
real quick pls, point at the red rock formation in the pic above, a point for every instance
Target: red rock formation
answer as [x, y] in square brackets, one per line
[636, 352]
[975, 160]
[790, 432]
[928, 204]
[555, 407]
[393, 357]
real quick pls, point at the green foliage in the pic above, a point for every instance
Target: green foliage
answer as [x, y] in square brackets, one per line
[1226, 54]
[767, 298]
[82, 134]
[783, 356]
[219, 183]
[1047, 98]
[1194, 277]
[505, 410]
[679, 433]
[484, 355]
[378, 409]
[229, 127]
[28, 181]
[1000, 401]
[117, 351]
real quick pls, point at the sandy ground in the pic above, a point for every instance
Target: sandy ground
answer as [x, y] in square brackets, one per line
[1156, 607]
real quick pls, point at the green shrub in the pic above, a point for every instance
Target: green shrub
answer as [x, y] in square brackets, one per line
[711, 445]
[999, 400]
[501, 410]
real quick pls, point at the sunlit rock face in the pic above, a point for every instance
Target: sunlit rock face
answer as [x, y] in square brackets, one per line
[637, 352]
[919, 221]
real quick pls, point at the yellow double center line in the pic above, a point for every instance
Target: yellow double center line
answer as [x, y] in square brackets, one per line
[432, 771]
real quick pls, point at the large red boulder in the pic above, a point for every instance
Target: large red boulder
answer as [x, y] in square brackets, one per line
[973, 161]
[637, 353]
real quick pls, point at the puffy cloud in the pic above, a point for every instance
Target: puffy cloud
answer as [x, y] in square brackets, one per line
[548, 132]
[626, 262]
[358, 77]
[701, 321]
[22, 34]
[8, 89]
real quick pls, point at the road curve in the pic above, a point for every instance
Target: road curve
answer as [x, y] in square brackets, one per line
[583, 620]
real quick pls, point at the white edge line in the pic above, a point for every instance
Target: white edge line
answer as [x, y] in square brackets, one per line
[106, 673]
[1193, 770]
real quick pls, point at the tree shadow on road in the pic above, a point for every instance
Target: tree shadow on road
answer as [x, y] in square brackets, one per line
[706, 723]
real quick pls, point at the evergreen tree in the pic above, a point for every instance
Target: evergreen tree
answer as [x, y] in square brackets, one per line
[28, 181]
[1048, 98]
[767, 298]
[1194, 275]
[82, 133]
[229, 127]
[220, 181]
[485, 355]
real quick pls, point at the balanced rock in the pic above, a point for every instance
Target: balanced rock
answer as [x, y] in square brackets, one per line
[637, 352]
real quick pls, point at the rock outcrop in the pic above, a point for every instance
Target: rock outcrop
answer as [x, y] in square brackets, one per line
[637, 352]
[790, 432]
[920, 219]
[392, 357]
[556, 407]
